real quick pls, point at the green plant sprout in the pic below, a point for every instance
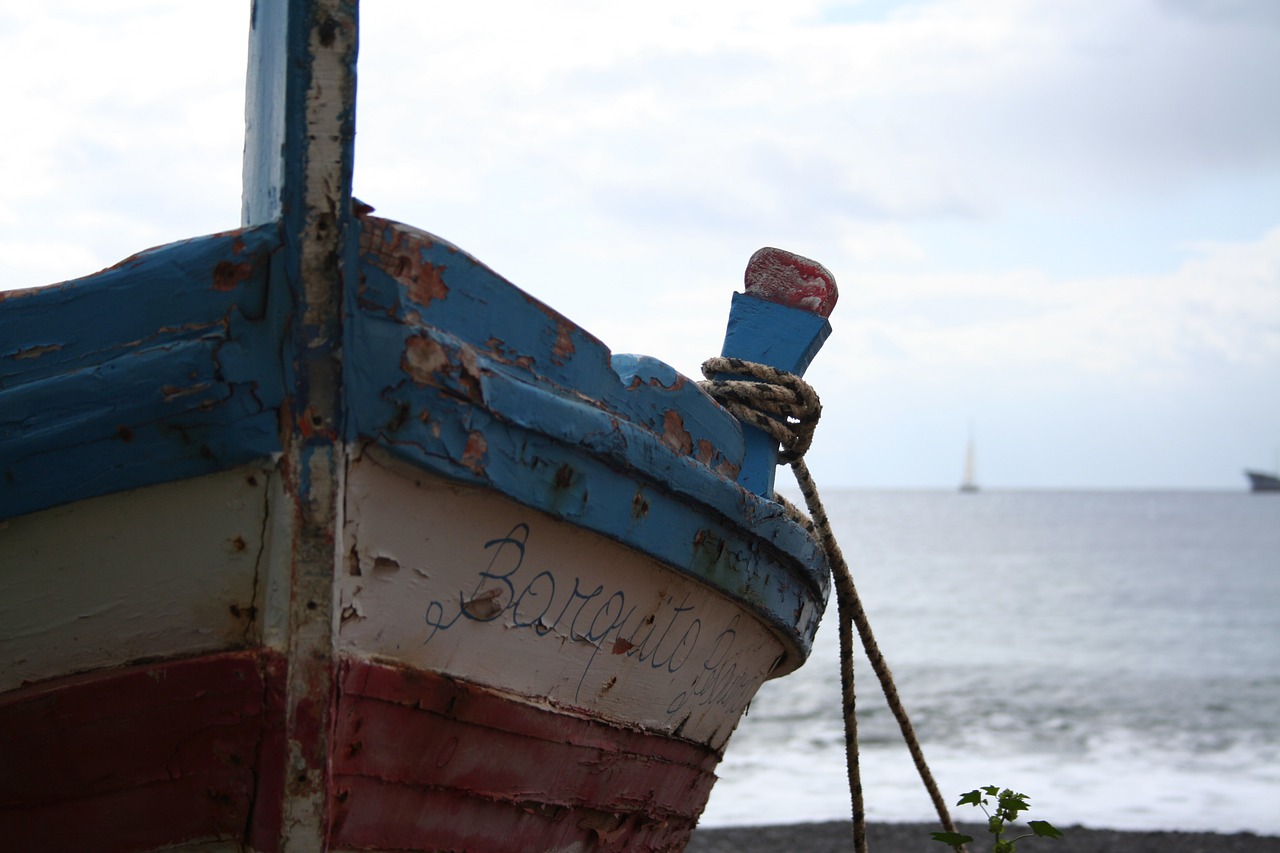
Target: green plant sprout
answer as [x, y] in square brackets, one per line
[1008, 805]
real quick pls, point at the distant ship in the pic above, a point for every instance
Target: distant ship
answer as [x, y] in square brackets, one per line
[1260, 481]
[970, 483]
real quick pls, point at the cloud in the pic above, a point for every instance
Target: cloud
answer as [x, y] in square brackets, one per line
[124, 134]
[1254, 12]
[1113, 381]
[1223, 305]
[1023, 200]
[945, 111]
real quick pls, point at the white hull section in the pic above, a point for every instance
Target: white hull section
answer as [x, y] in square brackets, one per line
[158, 572]
[437, 576]
[464, 582]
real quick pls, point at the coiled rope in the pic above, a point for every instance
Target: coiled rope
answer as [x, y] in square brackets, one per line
[786, 408]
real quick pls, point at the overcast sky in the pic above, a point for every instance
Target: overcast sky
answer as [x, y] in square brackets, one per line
[1056, 222]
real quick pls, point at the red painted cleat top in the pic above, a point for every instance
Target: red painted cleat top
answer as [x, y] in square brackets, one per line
[784, 278]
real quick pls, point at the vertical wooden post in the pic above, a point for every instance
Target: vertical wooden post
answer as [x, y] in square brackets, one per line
[781, 321]
[297, 171]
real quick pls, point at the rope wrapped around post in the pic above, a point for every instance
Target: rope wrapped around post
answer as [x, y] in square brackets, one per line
[787, 408]
[773, 401]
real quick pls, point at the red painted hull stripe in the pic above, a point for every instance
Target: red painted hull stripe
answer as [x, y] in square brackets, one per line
[422, 760]
[142, 757]
[416, 819]
[439, 694]
[193, 750]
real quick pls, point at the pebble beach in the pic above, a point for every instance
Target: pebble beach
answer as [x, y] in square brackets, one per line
[836, 837]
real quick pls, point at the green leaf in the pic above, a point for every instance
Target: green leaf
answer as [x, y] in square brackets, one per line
[1044, 829]
[1011, 804]
[992, 790]
[952, 838]
[972, 798]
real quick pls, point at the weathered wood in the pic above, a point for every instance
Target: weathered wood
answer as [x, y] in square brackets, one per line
[302, 86]
[427, 762]
[104, 582]
[142, 758]
[529, 405]
[463, 582]
[781, 321]
[295, 453]
[156, 369]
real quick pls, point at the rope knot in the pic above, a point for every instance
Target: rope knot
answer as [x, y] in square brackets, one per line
[779, 404]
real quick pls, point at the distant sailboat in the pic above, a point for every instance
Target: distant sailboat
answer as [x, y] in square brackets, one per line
[970, 483]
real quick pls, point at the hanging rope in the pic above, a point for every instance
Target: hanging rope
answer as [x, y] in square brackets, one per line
[786, 408]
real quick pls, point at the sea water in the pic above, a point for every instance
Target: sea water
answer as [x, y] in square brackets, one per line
[1113, 655]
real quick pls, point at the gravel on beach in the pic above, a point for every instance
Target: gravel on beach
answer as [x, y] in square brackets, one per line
[837, 837]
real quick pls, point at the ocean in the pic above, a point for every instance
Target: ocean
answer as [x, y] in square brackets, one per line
[1113, 655]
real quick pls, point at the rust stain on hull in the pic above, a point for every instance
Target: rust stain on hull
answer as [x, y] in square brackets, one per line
[424, 280]
[423, 358]
[563, 349]
[674, 435]
[474, 453]
[227, 275]
[400, 255]
[35, 352]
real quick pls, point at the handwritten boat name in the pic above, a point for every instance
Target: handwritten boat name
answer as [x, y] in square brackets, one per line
[671, 638]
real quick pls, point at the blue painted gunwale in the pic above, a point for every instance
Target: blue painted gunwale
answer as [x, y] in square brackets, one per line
[150, 371]
[278, 342]
[461, 373]
[170, 365]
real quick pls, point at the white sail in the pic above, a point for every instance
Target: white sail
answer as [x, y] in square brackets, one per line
[970, 481]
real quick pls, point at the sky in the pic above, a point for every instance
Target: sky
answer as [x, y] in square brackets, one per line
[1055, 226]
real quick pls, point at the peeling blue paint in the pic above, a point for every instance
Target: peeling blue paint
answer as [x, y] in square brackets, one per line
[463, 375]
[482, 384]
[146, 374]
[314, 335]
[782, 337]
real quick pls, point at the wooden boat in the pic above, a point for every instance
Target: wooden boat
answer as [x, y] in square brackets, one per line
[318, 534]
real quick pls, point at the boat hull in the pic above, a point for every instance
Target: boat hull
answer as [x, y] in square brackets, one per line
[147, 757]
[457, 766]
[455, 580]
[192, 752]
[504, 680]
[320, 535]
[1263, 482]
[539, 614]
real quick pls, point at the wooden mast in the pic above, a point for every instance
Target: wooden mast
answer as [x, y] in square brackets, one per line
[300, 127]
